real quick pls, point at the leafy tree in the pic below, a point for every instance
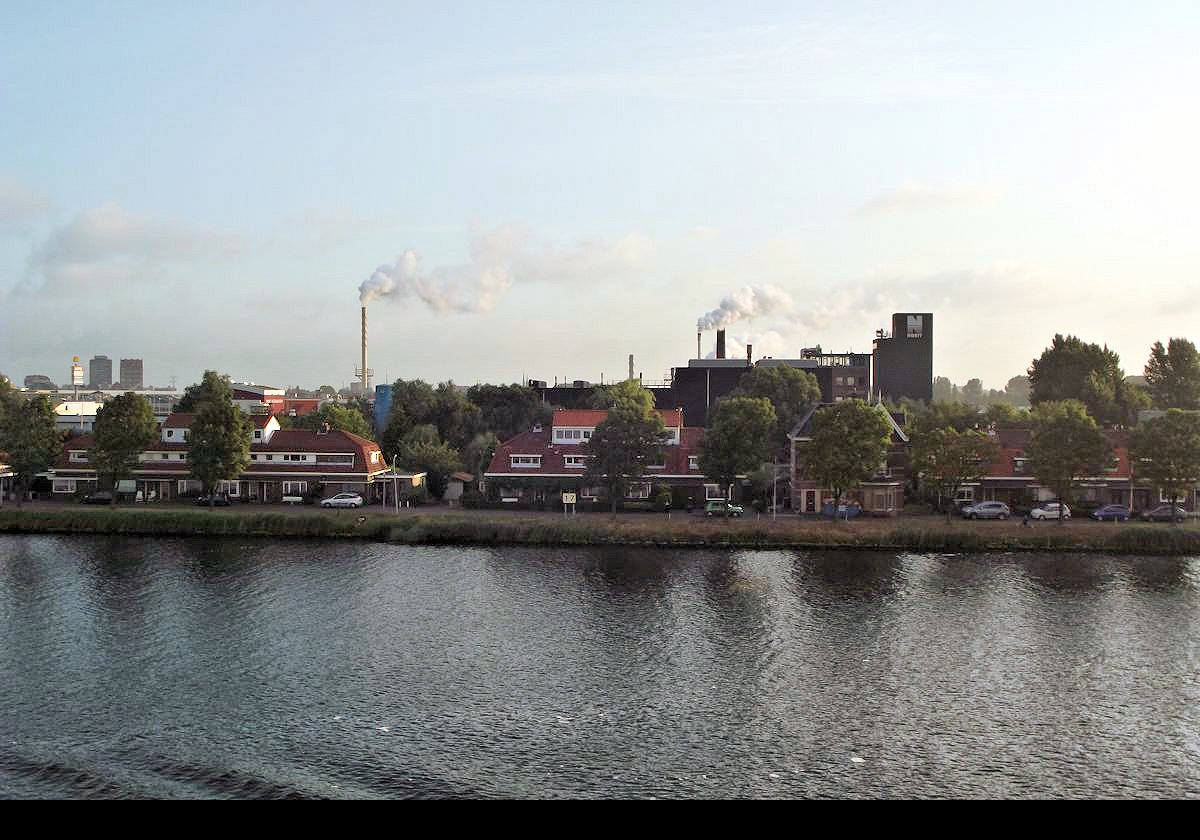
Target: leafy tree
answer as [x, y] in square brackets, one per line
[739, 438]
[457, 418]
[1017, 391]
[327, 391]
[508, 410]
[1173, 375]
[946, 459]
[944, 390]
[478, 453]
[972, 392]
[1066, 444]
[946, 415]
[28, 435]
[125, 427]
[791, 391]
[601, 397]
[422, 450]
[414, 403]
[218, 444]
[630, 436]
[213, 387]
[342, 417]
[849, 442]
[1167, 452]
[1069, 369]
[1003, 414]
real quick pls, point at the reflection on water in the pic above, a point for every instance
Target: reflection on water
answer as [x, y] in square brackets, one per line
[136, 667]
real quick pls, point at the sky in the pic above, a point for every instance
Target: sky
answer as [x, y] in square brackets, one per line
[537, 190]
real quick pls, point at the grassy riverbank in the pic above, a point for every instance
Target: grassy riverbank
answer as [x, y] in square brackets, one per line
[508, 528]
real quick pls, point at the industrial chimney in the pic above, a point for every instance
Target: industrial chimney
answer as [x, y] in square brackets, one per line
[749, 354]
[364, 349]
[631, 366]
[720, 344]
[698, 356]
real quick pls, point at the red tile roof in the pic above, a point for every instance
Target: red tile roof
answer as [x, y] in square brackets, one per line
[178, 421]
[675, 458]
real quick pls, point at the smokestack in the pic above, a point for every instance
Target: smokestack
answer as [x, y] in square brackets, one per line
[720, 344]
[631, 366]
[698, 356]
[749, 354]
[364, 350]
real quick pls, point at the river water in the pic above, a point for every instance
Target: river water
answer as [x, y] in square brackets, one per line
[239, 668]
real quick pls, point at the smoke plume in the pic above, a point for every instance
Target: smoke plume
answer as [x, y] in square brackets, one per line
[474, 287]
[750, 302]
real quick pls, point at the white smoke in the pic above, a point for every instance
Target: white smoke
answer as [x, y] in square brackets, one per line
[475, 287]
[497, 259]
[750, 302]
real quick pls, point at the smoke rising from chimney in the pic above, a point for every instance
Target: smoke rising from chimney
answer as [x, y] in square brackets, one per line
[750, 302]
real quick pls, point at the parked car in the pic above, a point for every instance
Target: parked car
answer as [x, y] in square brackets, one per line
[1050, 510]
[100, 497]
[1117, 513]
[343, 500]
[717, 507]
[987, 510]
[1164, 513]
[218, 500]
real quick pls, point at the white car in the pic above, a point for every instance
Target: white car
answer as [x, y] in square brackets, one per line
[1049, 510]
[350, 500]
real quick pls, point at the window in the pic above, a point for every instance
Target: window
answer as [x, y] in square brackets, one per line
[693, 462]
[375, 456]
[526, 461]
[181, 457]
[295, 488]
[63, 485]
[230, 487]
[590, 493]
[170, 433]
[641, 490]
[188, 486]
[253, 457]
[713, 491]
[1019, 466]
[79, 457]
[965, 494]
[587, 433]
[337, 459]
[257, 433]
[165, 456]
[270, 457]
[579, 461]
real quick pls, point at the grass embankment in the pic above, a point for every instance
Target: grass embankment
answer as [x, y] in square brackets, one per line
[508, 528]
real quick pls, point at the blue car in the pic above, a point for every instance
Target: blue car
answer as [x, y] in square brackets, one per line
[1117, 513]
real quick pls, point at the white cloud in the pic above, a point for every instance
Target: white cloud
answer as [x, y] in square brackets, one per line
[914, 196]
[19, 205]
[107, 244]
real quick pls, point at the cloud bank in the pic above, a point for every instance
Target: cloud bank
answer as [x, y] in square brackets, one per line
[913, 197]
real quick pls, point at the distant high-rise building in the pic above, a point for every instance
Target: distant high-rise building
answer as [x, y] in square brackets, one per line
[131, 374]
[100, 372]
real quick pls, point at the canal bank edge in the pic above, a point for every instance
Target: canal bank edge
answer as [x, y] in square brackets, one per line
[483, 529]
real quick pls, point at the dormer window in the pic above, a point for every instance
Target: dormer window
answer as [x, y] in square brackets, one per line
[170, 433]
[257, 433]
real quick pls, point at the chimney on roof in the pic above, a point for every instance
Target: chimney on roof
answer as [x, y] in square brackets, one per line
[720, 344]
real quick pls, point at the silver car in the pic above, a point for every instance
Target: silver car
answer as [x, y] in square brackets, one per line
[986, 510]
[343, 500]
[1049, 510]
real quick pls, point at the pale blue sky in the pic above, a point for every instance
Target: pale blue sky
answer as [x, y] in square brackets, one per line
[207, 185]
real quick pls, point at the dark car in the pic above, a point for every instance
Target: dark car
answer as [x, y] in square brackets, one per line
[1117, 513]
[218, 500]
[100, 497]
[1164, 513]
[716, 507]
[987, 510]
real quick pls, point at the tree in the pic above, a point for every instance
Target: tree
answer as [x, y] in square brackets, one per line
[849, 442]
[1173, 375]
[125, 427]
[213, 387]
[478, 453]
[1069, 369]
[1017, 391]
[1066, 444]
[422, 450]
[625, 441]
[1003, 414]
[739, 438]
[944, 390]
[972, 392]
[1167, 452]
[791, 391]
[946, 459]
[337, 417]
[28, 435]
[946, 415]
[414, 403]
[457, 418]
[508, 410]
[218, 444]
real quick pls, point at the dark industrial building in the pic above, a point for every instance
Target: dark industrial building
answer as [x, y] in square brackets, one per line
[903, 358]
[131, 374]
